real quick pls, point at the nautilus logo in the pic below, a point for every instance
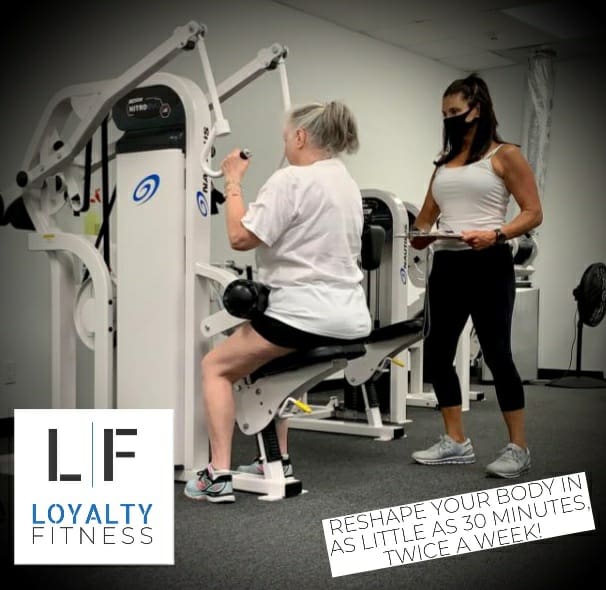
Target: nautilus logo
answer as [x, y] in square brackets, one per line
[403, 275]
[146, 189]
[202, 204]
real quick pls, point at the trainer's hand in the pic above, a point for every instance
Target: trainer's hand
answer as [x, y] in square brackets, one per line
[479, 239]
[234, 166]
[420, 243]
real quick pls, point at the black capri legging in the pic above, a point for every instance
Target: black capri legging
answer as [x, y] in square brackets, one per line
[480, 283]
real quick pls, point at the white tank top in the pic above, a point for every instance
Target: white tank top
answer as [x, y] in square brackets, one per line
[470, 197]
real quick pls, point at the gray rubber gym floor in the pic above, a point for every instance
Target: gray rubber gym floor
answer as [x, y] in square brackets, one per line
[264, 545]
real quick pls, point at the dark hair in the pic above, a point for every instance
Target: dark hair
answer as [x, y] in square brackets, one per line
[475, 92]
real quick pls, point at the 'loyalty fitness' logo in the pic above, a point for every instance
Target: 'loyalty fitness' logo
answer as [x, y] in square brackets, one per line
[83, 491]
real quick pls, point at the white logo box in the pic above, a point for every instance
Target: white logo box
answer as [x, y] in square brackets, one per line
[94, 487]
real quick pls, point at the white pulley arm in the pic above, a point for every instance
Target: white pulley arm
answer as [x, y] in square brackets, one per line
[267, 59]
[221, 124]
[220, 321]
[41, 163]
[215, 131]
[284, 82]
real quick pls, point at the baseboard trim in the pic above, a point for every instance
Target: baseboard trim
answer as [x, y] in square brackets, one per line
[557, 373]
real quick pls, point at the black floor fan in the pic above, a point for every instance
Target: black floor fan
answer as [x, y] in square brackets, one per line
[590, 295]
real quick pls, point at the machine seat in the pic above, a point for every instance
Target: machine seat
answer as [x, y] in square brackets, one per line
[303, 358]
[398, 329]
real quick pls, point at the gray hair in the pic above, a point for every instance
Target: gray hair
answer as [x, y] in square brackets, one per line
[331, 126]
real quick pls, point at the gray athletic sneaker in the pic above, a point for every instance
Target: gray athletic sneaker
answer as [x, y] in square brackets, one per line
[513, 460]
[256, 467]
[446, 450]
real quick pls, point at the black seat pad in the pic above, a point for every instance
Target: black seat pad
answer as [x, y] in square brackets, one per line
[303, 358]
[398, 329]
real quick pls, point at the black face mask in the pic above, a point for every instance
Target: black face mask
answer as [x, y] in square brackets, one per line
[455, 129]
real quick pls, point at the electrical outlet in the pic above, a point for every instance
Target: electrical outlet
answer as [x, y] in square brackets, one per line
[10, 372]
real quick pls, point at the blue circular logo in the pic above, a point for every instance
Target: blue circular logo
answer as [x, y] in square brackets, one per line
[202, 204]
[146, 189]
[403, 275]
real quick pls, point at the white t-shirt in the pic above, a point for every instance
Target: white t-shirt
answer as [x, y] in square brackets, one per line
[310, 219]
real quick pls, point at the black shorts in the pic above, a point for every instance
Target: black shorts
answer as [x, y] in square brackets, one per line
[282, 334]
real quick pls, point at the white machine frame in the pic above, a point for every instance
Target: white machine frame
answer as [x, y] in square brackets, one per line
[358, 372]
[404, 355]
[417, 275]
[260, 402]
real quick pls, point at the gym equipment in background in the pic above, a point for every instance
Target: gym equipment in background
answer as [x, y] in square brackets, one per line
[380, 384]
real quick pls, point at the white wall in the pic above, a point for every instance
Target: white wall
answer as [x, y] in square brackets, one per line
[395, 95]
[572, 234]
[507, 88]
[575, 210]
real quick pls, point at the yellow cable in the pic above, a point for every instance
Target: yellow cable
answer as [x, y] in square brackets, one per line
[302, 406]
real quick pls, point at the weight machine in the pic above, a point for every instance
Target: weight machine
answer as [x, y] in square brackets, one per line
[379, 385]
[146, 314]
[418, 269]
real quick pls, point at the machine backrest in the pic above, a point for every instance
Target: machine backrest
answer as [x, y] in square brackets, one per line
[373, 240]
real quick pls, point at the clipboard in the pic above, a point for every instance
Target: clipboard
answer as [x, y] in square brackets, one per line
[440, 235]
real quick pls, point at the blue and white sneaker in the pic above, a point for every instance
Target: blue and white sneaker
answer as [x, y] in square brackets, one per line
[214, 489]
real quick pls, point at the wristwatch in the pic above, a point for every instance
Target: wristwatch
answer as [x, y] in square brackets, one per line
[501, 237]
